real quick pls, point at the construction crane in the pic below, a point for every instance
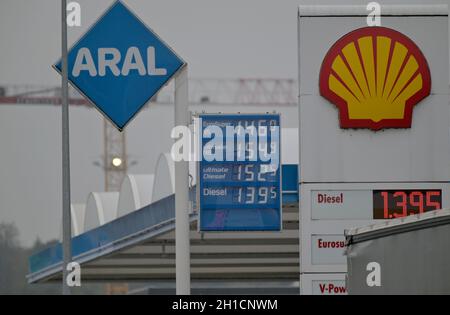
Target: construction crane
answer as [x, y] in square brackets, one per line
[247, 91]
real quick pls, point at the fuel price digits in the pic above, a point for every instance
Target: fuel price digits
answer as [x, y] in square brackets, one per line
[255, 195]
[251, 173]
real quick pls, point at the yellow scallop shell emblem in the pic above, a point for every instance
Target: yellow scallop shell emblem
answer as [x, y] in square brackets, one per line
[375, 76]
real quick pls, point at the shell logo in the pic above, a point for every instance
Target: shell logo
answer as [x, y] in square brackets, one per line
[375, 76]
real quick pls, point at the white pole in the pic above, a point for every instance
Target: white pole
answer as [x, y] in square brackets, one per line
[300, 232]
[66, 216]
[182, 242]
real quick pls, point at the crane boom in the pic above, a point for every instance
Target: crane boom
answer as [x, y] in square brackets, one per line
[201, 91]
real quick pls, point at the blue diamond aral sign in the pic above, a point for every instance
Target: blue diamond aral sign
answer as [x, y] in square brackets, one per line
[120, 64]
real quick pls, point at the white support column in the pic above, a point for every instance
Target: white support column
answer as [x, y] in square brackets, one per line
[182, 242]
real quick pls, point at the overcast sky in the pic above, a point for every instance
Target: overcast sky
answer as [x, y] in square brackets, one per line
[219, 39]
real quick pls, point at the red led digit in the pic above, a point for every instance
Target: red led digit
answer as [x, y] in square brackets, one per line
[388, 204]
[385, 196]
[435, 204]
[402, 204]
[416, 202]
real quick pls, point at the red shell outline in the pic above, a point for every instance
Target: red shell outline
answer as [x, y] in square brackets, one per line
[373, 31]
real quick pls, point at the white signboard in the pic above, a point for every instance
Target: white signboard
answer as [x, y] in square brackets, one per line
[323, 284]
[374, 121]
[329, 153]
[341, 204]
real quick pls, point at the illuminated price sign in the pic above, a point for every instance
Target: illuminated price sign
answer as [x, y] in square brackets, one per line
[390, 204]
[239, 173]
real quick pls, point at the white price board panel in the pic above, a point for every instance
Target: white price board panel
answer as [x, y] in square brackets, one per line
[323, 284]
[328, 249]
[327, 210]
[341, 204]
[373, 147]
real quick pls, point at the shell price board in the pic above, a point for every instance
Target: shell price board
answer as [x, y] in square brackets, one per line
[239, 172]
[374, 121]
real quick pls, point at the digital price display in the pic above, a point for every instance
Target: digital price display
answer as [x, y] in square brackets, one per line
[390, 204]
[239, 173]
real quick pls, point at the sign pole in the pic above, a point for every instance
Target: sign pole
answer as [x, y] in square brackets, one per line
[66, 217]
[110, 101]
[182, 242]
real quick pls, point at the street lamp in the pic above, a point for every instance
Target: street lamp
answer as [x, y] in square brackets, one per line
[116, 162]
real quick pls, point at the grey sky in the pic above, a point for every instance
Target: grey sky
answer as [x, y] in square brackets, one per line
[218, 38]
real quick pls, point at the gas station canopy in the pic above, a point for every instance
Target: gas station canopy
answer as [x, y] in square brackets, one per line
[140, 246]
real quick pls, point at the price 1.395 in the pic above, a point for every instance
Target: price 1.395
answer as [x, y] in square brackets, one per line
[255, 195]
